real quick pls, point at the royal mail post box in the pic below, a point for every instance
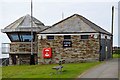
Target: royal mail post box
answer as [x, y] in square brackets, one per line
[47, 53]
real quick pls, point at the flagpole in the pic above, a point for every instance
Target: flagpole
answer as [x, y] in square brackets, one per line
[112, 29]
[32, 60]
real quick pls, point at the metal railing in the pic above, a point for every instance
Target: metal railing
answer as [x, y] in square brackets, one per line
[4, 62]
[15, 48]
[5, 48]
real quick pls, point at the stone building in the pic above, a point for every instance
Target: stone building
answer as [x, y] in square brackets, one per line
[74, 39]
[19, 33]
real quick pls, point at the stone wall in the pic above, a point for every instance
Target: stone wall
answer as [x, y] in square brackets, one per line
[81, 50]
[22, 47]
[20, 52]
[19, 59]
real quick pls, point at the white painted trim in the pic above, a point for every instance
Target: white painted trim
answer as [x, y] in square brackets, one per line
[108, 37]
[70, 34]
[103, 36]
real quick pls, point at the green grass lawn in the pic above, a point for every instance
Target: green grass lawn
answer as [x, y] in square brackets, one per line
[71, 70]
[116, 55]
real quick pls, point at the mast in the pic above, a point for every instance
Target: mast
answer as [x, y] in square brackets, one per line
[112, 30]
[62, 15]
[32, 60]
[112, 19]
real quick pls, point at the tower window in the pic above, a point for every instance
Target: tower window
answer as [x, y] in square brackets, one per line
[21, 37]
[14, 37]
[26, 37]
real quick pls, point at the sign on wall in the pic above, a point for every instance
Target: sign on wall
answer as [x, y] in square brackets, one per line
[47, 52]
[67, 43]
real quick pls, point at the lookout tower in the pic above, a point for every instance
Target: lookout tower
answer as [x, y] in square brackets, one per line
[19, 33]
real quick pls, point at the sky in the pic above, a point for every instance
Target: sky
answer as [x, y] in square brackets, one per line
[50, 12]
[119, 24]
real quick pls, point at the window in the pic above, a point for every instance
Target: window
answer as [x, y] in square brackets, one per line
[21, 37]
[26, 37]
[14, 37]
[67, 44]
[84, 36]
[50, 37]
[67, 37]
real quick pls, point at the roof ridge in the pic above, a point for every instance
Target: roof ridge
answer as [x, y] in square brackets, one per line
[23, 24]
[63, 20]
[85, 20]
[13, 23]
[59, 22]
[21, 20]
[82, 17]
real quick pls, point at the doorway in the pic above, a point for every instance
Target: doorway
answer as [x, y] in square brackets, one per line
[14, 59]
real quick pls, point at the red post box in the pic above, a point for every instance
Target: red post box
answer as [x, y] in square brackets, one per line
[47, 52]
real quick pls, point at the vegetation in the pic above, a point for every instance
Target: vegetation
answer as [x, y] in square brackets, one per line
[116, 54]
[71, 70]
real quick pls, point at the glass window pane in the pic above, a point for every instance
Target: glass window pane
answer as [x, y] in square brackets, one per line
[84, 36]
[50, 37]
[26, 38]
[67, 37]
[14, 37]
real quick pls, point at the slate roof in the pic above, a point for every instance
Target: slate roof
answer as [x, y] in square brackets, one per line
[24, 24]
[75, 24]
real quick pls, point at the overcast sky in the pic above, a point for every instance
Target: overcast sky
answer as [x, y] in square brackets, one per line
[50, 12]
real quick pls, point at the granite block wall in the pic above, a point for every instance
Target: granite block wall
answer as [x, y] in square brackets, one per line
[20, 52]
[19, 59]
[22, 47]
[81, 50]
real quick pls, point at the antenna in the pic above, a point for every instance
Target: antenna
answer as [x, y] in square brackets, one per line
[62, 15]
[112, 19]
[112, 29]
[32, 60]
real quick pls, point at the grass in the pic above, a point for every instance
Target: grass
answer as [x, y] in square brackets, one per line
[71, 70]
[116, 54]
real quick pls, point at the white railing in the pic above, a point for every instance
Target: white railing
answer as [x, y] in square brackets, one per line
[12, 49]
[5, 48]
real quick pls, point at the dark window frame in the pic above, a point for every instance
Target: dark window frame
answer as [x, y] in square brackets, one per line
[84, 37]
[50, 37]
[20, 37]
[26, 37]
[12, 39]
[66, 37]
